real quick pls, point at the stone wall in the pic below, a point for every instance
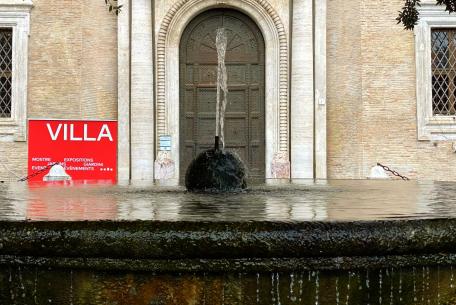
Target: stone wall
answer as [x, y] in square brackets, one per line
[162, 7]
[344, 102]
[371, 96]
[73, 60]
[371, 83]
[72, 69]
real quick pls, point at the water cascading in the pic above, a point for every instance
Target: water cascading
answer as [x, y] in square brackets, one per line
[217, 170]
[221, 42]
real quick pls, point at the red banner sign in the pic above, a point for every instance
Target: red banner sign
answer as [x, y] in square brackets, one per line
[87, 150]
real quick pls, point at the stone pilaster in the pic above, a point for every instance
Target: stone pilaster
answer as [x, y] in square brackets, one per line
[320, 90]
[142, 93]
[302, 97]
[123, 95]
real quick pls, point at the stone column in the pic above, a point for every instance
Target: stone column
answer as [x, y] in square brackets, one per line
[320, 90]
[142, 93]
[302, 96]
[123, 104]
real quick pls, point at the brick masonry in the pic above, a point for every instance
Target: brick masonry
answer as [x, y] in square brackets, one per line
[372, 96]
[72, 68]
[370, 85]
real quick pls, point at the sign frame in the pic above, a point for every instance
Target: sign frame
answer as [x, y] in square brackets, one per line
[87, 149]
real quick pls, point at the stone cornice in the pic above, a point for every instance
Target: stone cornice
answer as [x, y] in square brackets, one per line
[428, 8]
[16, 5]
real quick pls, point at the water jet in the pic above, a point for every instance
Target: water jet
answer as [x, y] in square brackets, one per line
[217, 169]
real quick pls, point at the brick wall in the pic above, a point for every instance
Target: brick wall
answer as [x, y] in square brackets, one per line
[344, 89]
[371, 96]
[72, 68]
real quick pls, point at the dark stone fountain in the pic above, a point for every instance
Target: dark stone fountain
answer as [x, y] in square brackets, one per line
[216, 170]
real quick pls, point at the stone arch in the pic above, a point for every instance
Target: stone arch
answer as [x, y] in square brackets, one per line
[277, 66]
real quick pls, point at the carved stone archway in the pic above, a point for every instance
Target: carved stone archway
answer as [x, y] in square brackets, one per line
[277, 67]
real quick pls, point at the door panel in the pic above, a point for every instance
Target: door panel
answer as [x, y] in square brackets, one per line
[244, 117]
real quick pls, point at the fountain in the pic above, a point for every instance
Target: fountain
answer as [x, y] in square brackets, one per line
[342, 242]
[363, 242]
[217, 170]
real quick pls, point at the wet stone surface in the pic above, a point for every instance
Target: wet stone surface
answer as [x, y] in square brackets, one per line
[339, 225]
[332, 201]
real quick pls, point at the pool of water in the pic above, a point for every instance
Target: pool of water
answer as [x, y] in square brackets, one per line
[407, 286]
[330, 201]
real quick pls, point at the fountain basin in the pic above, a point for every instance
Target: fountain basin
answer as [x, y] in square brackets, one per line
[394, 241]
[228, 246]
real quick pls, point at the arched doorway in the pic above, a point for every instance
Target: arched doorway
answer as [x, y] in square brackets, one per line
[245, 115]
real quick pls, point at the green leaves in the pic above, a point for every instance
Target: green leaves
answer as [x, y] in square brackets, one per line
[113, 6]
[450, 5]
[409, 15]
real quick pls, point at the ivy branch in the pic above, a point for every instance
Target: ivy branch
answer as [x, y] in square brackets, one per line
[409, 15]
[113, 6]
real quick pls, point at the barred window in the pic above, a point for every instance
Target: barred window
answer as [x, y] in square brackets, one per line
[435, 54]
[14, 40]
[6, 68]
[443, 71]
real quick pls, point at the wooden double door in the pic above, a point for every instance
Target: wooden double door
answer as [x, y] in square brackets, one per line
[245, 114]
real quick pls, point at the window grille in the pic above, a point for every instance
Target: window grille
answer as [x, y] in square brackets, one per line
[444, 71]
[6, 68]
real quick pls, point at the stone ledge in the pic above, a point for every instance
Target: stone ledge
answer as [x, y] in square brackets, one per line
[232, 265]
[16, 4]
[229, 241]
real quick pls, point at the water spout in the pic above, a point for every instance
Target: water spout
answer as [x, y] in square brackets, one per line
[217, 170]
[221, 42]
